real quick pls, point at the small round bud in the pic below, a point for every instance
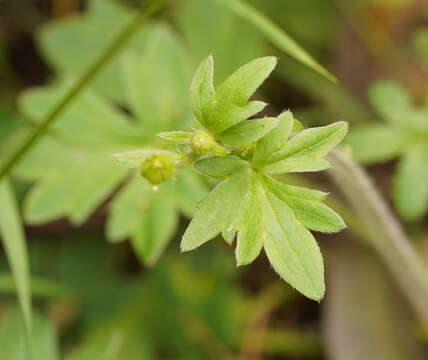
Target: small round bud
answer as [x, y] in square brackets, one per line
[204, 143]
[158, 168]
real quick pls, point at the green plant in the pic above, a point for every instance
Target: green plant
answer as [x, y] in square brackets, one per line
[249, 202]
[404, 136]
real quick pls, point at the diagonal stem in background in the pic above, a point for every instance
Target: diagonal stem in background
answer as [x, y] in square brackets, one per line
[383, 230]
[116, 46]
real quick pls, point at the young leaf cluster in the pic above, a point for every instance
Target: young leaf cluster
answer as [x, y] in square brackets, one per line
[248, 203]
[404, 135]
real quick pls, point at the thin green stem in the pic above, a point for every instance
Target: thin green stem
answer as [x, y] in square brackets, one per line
[383, 230]
[116, 46]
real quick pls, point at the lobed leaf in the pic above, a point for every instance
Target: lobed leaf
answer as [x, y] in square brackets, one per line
[306, 150]
[307, 206]
[216, 211]
[291, 249]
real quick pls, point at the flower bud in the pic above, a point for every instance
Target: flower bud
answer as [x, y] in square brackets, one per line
[156, 166]
[159, 168]
[204, 143]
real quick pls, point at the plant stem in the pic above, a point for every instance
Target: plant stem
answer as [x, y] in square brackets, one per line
[383, 230]
[118, 43]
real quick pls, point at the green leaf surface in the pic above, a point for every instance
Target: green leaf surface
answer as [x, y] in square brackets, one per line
[291, 248]
[218, 110]
[307, 206]
[248, 131]
[251, 235]
[410, 191]
[13, 239]
[275, 140]
[215, 212]
[233, 94]
[202, 90]
[221, 166]
[155, 227]
[44, 342]
[305, 151]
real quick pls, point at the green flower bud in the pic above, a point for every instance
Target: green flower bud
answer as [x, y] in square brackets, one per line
[159, 168]
[204, 143]
[156, 166]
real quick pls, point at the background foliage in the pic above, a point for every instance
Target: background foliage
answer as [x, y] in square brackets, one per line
[124, 300]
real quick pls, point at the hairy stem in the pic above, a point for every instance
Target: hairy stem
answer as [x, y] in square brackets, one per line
[115, 47]
[383, 230]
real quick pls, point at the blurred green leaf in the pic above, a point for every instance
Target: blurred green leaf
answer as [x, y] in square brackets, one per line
[92, 128]
[87, 34]
[44, 343]
[411, 183]
[164, 66]
[406, 137]
[13, 239]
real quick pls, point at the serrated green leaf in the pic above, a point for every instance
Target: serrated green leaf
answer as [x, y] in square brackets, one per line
[314, 142]
[410, 191]
[248, 131]
[275, 140]
[221, 166]
[391, 100]
[375, 143]
[13, 239]
[241, 85]
[218, 110]
[232, 95]
[215, 212]
[291, 249]
[306, 150]
[307, 206]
